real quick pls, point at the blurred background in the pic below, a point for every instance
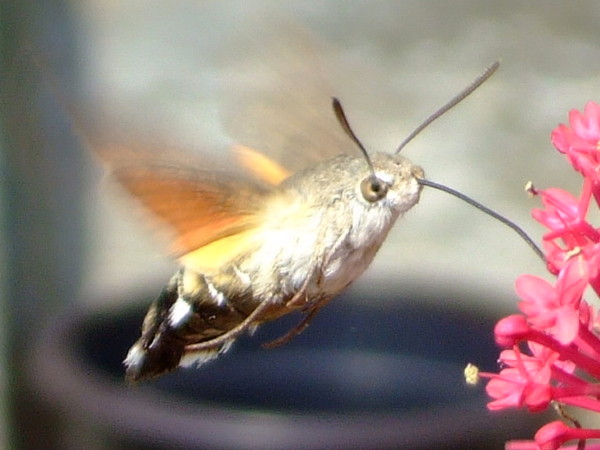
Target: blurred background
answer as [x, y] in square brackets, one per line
[168, 72]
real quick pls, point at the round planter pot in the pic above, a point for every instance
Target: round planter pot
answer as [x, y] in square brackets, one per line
[382, 373]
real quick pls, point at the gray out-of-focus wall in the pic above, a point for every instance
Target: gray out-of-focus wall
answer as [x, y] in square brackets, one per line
[42, 192]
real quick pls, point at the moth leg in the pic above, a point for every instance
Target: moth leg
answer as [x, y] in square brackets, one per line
[298, 299]
[299, 328]
[232, 334]
[239, 329]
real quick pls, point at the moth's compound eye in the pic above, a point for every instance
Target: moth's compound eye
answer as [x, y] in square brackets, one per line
[373, 189]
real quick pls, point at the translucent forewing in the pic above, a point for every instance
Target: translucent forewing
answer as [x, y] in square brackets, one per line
[283, 109]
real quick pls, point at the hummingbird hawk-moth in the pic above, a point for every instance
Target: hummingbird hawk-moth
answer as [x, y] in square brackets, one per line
[259, 237]
[283, 222]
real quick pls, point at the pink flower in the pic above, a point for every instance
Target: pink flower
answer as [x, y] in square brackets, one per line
[579, 142]
[565, 216]
[570, 234]
[526, 382]
[552, 435]
[554, 308]
[512, 389]
[533, 445]
[569, 231]
[552, 351]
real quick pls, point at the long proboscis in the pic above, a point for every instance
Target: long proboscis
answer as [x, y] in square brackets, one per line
[488, 211]
[487, 73]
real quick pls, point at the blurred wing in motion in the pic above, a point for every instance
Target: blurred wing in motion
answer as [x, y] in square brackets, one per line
[199, 203]
[277, 108]
[277, 100]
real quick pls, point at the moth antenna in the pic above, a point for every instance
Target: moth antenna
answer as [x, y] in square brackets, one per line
[488, 72]
[341, 117]
[487, 211]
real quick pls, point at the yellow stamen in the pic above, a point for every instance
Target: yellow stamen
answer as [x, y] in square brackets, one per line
[471, 374]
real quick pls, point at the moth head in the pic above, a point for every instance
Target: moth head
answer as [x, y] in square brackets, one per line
[392, 175]
[393, 182]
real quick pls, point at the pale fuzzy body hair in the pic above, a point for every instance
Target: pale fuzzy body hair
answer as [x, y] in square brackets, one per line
[179, 312]
[329, 238]
[192, 359]
[135, 356]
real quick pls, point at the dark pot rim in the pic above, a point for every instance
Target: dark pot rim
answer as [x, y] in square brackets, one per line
[61, 378]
